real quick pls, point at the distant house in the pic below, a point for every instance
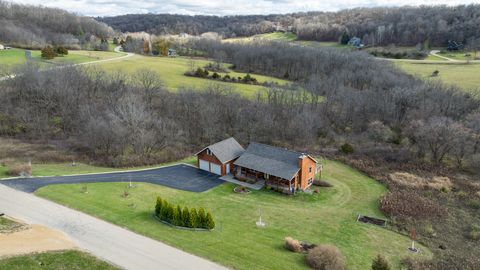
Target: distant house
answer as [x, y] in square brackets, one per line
[281, 169]
[355, 42]
[453, 45]
[2, 47]
[172, 52]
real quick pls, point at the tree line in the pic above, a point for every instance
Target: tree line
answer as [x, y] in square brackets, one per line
[402, 26]
[34, 27]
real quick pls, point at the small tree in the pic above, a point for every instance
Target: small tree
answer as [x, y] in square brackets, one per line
[209, 221]
[180, 216]
[380, 263]
[62, 50]
[176, 217]
[48, 53]
[158, 206]
[215, 75]
[346, 148]
[115, 41]
[164, 211]
[193, 218]
[345, 38]
[202, 218]
[186, 217]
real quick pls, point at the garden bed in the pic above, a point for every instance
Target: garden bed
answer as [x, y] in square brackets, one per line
[372, 220]
[181, 227]
[241, 190]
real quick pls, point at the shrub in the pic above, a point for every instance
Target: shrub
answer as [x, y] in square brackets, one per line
[325, 257]
[202, 218]
[215, 75]
[62, 50]
[293, 245]
[321, 183]
[346, 148]
[380, 263]
[210, 223]
[185, 217]
[179, 217]
[410, 204]
[158, 206]
[20, 170]
[48, 53]
[193, 218]
[175, 217]
[164, 211]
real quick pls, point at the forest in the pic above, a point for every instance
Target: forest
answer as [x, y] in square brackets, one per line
[34, 27]
[402, 26]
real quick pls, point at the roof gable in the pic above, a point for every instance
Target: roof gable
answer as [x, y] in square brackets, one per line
[225, 150]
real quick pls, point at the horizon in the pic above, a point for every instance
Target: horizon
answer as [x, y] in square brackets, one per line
[107, 8]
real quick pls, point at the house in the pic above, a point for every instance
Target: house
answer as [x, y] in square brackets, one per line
[454, 46]
[280, 169]
[218, 158]
[2, 47]
[172, 52]
[355, 42]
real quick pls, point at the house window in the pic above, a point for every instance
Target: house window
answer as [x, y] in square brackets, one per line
[310, 169]
[310, 181]
[209, 152]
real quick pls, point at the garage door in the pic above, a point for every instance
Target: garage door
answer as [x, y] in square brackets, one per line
[216, 169]
[204, 165]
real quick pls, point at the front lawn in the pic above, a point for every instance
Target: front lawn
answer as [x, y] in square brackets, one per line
[327, 217]
[71, 260]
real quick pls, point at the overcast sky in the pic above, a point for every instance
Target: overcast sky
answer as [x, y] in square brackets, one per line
[221, 7]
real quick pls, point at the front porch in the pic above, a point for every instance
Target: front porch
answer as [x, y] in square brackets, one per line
[255, 186]
[247, 176]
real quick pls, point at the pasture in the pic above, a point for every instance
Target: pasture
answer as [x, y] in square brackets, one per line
[325, 217]
[464, 76]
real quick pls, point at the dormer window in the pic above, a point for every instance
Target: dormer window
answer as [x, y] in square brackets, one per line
[209, 152]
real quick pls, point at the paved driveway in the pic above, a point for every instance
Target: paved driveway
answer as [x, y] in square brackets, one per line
[112, 243]
[181, 176]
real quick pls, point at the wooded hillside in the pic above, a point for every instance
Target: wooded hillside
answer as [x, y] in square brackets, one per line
[35, 26]
[406, 26]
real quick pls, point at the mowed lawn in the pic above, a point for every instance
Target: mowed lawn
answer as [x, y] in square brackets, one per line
[71, 260]
[171, 71]
[465, 76]
[14, 57]
[59, 169]
[328, 217]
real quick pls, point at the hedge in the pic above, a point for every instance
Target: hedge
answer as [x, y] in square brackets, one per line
[192, 218]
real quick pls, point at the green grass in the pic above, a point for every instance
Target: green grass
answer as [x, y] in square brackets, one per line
[325, 218]
[70, 259]
[171, 72]
[8, 224]
[462, 75]
[58, 169]
[13, 57]
[458, 55]
[274, 36]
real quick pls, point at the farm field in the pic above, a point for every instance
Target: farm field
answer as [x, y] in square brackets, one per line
[70, 259]
[274, 36]
[326, 217]
[13, 57]
[464, 76]
[171, 72]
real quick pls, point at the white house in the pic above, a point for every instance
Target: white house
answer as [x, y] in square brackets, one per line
[2, 47]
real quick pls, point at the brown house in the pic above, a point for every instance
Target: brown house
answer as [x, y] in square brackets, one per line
[281, 169]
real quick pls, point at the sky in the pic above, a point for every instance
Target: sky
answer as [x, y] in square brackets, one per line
[222, 7]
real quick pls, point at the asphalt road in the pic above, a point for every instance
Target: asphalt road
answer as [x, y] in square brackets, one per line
[109, 242]
[181, 176]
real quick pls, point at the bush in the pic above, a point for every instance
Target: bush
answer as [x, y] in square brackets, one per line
[158, 206]
[176, 218]
[62, 50]
[347, 148]
[20, 170]
[293, 245]
[193, 220]
[48, 53]
[202, 218]
[185, 217]
[325, 257]
[321, 183]
[210, 223]
[380, 263]
[215, 75]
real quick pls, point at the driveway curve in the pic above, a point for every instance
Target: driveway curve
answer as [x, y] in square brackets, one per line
[180, 176]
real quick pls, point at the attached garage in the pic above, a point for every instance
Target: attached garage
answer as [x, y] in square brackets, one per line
[219, 157]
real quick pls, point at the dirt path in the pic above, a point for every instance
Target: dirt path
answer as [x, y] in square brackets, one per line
[33, 238]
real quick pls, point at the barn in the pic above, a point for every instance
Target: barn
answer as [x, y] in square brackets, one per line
[218, 158]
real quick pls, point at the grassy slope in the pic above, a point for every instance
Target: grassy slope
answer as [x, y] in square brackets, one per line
[171, 71]
[56, 169]
[327, 217]
[17, 57]
[71, 260]
[462, 75]
[7, 224]
[275, 36]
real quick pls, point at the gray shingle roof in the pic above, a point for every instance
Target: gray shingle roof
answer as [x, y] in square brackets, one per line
[271, 160]
[226, 150]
